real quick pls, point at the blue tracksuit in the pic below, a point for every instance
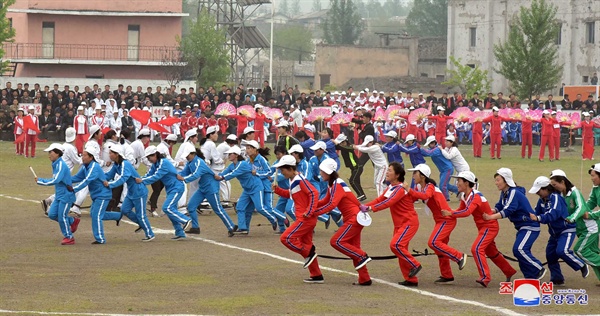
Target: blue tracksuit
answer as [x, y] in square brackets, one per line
[553, 211]
[332, 152]
[209, 190]
[61, 180]
[284, 205]
[314, 177]
[308, 153]
[302, 167]
[164, 171]
[445, 167]
[92, 176]
[252, 194]
[393, 152]
[137, 194]
[414, 154]
[514, 204]
[263, 172]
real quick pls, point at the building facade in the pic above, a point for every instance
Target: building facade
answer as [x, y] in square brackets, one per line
[474, 26]
[132, 39]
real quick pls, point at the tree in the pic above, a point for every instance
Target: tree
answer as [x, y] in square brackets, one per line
[7, 33]
[529, 58]
[428, 18]
[469, 80]
[295, 8]
[316, 6]
[204, 51]
[293, 43]
[344, 25]
[284, 8]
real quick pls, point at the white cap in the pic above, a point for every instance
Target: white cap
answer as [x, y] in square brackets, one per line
[166, 108]
[171, 137]
[144, 132]
[391, 134]
[508, 176]
[83, 103]
[98, 107]
[187, 149]
[146, 108]
[540, 182]
[381, 92]
[123, 102]
[310, 127]
[319, 145]
[190, 133]
[585, 113]
[409, 137]
[70, 134]
[234, 150]
[411, 107]
[558, 172]
[595, 167]
[328, 166]
[440, 108]
[80, 108]
[374, 91]
[117, 148]
[248, 130]
[353, 94]
[545, 112]
[420, 93]
[450, 138]
[341, 138]
[429, 140]
[553, 112]
[212, 129]
[423, 168]
[196, 105]
[399, 91]
[287, 160]
[343, 92]
[252, 143]
[150, 150]
[495, 109]
[258, 106]
[367, 140]
[93, 130]
[92, 150]
[283, 124]
[466, 175]
[336, 93]
[296, 149]
[478, 110]
[55, 146]
[232, 137]
[367, 89]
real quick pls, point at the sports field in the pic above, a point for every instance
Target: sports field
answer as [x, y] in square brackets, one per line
[211, 273]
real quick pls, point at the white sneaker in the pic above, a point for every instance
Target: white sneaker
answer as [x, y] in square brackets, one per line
[155, 214]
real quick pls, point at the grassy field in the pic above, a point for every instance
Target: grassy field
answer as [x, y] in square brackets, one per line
[255, 274]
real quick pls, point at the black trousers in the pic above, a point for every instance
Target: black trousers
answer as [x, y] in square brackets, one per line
[116, 198]
[355, 174]
[156, 188]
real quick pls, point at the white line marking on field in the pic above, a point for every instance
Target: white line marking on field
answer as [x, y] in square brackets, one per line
[498, 309]
[18, 199]
[86, 314]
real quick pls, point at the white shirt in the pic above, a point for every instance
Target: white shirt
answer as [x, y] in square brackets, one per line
[222, 148]
[375, 154]
[139, 155]
[128, 151]
[297, 117]
[212, 156]
[92, 142]
[70, 156]
[114, 123]
[80, 123]
[458, 161]
[104, 155]
[163, 148]
[179, 156]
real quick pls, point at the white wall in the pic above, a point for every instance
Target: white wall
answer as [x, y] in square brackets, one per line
[82, 82]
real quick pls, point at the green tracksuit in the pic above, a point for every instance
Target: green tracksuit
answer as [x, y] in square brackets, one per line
[587, 229]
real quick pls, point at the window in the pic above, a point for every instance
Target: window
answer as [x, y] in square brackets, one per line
[48, 40]
[559, 35]
[94, 76]
[585, 79]
[10, 23]
[471, 65]
[473, 36]
[424, 75]
[440, 77]
[133, 42]
[590, 32]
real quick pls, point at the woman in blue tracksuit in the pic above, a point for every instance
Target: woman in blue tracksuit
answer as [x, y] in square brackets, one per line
[137, 194]
[412, 148]
[252, 194]
[262, 170]
[314, 177]
[164, 171]
[64, 195]
[513, 204]
[301, 162]
[327, 137]
[195, 169]
[91, 175]
[284, 205]
[392, 149]
[443, 164]
[551, 209]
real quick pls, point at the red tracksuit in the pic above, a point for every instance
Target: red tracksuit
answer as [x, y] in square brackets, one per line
[556, 139]
[223, 125]
[477, 130]
[31, 136]
[547, 137]
[495, 135]
[406, 224]
[298, 237]
[440, 236]
[19, 143]
[484, 245]
[587, 133]
[259, 127]
[526, 138]
[242, 123]
[440, 128]
[347, 238]
[80, 123]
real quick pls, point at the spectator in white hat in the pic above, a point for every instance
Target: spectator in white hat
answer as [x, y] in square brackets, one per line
[452, 153]
[370, 147]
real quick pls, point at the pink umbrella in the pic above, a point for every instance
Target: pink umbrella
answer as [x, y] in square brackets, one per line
[535, 115]
[246, 110]
[516, 114]
[380, 114]
[225, 109]
[563, 117]
[341, 118]
[479, 116]
[504, 113]
[575, 120]
[418, 115]
[394, 111]
[318, 114]
[273, 114]
[461, 113]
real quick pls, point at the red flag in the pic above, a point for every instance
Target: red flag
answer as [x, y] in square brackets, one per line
[157, 127]
[169, 121]
[140, 116]
[105, 130]
[29, 125]
[20, 139]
